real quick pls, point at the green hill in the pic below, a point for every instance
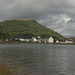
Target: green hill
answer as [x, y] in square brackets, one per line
[25, 28]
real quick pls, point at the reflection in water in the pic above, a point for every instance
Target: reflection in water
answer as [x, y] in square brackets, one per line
[39, 59]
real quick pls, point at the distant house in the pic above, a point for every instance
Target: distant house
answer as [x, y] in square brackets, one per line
[64, 41]
[34, 39]
[57, 41]
[25, 40]
[68, 41]
[51, 39]
[60, 41]
[38, 37]
[21, 39]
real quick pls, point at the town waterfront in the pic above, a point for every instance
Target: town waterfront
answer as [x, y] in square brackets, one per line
[39, 59]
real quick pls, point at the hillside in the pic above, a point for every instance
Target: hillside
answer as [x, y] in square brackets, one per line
[25, 28]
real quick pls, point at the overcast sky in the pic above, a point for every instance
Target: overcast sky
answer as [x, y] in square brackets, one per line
[58, 15]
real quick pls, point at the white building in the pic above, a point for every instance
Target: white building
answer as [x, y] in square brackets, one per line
[57, 41]
[25, 40]
[34, 39]
[21, 39]
[38, 37]
[51, 39]
[68, 41]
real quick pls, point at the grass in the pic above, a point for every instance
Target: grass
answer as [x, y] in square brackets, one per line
[2, 42]
[5, 69]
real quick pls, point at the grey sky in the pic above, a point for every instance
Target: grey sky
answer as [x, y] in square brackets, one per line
[58, 15]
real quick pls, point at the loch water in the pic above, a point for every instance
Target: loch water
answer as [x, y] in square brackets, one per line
[39, 59]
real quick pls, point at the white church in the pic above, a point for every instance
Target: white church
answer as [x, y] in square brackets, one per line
[51, 39]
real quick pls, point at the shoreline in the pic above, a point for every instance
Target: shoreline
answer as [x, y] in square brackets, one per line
[5, 69]
[2, 42]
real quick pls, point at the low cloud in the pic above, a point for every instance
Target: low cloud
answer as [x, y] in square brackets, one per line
[57, 15]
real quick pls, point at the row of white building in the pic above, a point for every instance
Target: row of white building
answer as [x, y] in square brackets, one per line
[38, 39]
[46, 40]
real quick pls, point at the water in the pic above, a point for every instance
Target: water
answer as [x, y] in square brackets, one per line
[39, 59]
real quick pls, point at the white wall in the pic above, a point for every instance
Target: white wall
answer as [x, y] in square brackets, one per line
[51, 40]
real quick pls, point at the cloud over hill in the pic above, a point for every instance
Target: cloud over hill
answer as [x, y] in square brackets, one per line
[51, 13]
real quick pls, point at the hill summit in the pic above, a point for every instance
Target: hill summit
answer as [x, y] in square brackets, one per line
[25, 28]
